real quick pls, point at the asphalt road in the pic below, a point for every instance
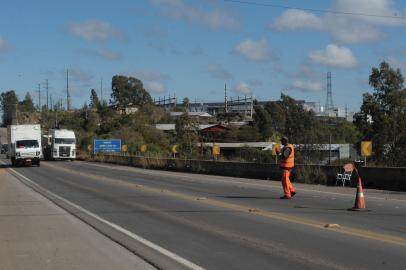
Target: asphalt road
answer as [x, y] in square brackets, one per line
[231, 223]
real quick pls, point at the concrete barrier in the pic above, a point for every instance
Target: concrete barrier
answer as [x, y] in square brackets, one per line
[373, 177]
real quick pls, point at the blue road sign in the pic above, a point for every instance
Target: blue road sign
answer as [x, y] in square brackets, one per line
[110, 146]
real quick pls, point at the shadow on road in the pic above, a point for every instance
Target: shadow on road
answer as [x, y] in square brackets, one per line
[250, 197]
[5, 166]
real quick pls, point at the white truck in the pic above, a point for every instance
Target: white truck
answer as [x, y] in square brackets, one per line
[24, 144]
[59, 144]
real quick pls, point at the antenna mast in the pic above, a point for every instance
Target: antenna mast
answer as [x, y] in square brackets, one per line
[329, 98]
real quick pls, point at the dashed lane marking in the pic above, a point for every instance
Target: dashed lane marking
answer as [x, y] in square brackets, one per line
[346, 230]
[215, 178]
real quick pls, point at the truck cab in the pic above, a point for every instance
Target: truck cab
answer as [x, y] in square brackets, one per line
[60, 144]
[24, 144]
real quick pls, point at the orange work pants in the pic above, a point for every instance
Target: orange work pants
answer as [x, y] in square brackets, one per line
[286, 184]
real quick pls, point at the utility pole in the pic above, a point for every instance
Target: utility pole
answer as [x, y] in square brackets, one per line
[252, 106]
[101, 90]
[68, 105]
[46, 83]
[225, 98]
[51, 101]
[39, 97]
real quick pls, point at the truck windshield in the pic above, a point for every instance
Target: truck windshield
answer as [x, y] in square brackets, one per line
[27, 144]
[65, 140]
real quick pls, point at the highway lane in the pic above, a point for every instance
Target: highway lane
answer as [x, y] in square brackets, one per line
[205, 218]
[324, 206]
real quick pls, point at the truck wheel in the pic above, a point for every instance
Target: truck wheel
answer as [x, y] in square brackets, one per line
[13, 162]
[38, 163]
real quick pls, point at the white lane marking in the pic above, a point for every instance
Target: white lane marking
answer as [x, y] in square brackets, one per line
[216, 178]
[138, 238]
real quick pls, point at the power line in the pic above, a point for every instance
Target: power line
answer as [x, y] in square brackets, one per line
[315, 10]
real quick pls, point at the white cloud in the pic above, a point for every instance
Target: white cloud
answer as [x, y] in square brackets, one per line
[334, 56]
[103, 53]
[256, 51]
[215, 18]
[297, 19]
[95, 30]
[397, 62]
[155, 87]
[154, 81]
[4, 45]
[307, 85]
[243, 88]
[345, 28]
[219, 72]
[380, 8]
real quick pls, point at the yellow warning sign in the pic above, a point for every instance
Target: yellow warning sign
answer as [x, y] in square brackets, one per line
[275, 149]
[366, 148]
[174, 149]
[216, 149]
[124, 148]
[143, 148]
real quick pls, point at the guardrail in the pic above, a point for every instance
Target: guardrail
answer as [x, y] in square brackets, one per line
[373, 177]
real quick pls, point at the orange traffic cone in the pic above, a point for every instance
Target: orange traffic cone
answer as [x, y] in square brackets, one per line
[359, 198]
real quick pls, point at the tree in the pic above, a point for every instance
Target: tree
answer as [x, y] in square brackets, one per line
[185, 104]
[128, 90]
[27, 105]
[382, 117]
[94, 100]
[9, 103]
[263, 122]
[187, 136]
[287, 117]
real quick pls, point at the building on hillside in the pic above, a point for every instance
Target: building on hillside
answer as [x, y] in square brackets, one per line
[168, 103]
[313, 106]
[242, 105]
[202, 128]
[192, 114]
[123, 110]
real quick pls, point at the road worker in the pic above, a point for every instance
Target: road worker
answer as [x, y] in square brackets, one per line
[287, 162]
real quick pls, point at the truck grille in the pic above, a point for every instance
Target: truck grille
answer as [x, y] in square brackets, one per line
[64, 151]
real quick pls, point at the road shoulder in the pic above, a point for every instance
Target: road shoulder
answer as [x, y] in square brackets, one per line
[37, 234]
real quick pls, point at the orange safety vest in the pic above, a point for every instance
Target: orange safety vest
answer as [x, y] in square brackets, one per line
[290, 161]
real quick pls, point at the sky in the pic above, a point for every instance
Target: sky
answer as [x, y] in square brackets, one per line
[193, 48]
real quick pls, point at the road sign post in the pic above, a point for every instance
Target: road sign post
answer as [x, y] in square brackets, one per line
[216, 150]
[366, 150]
[143, 148]
[107, 146]
[174, 150]
[124, 148]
